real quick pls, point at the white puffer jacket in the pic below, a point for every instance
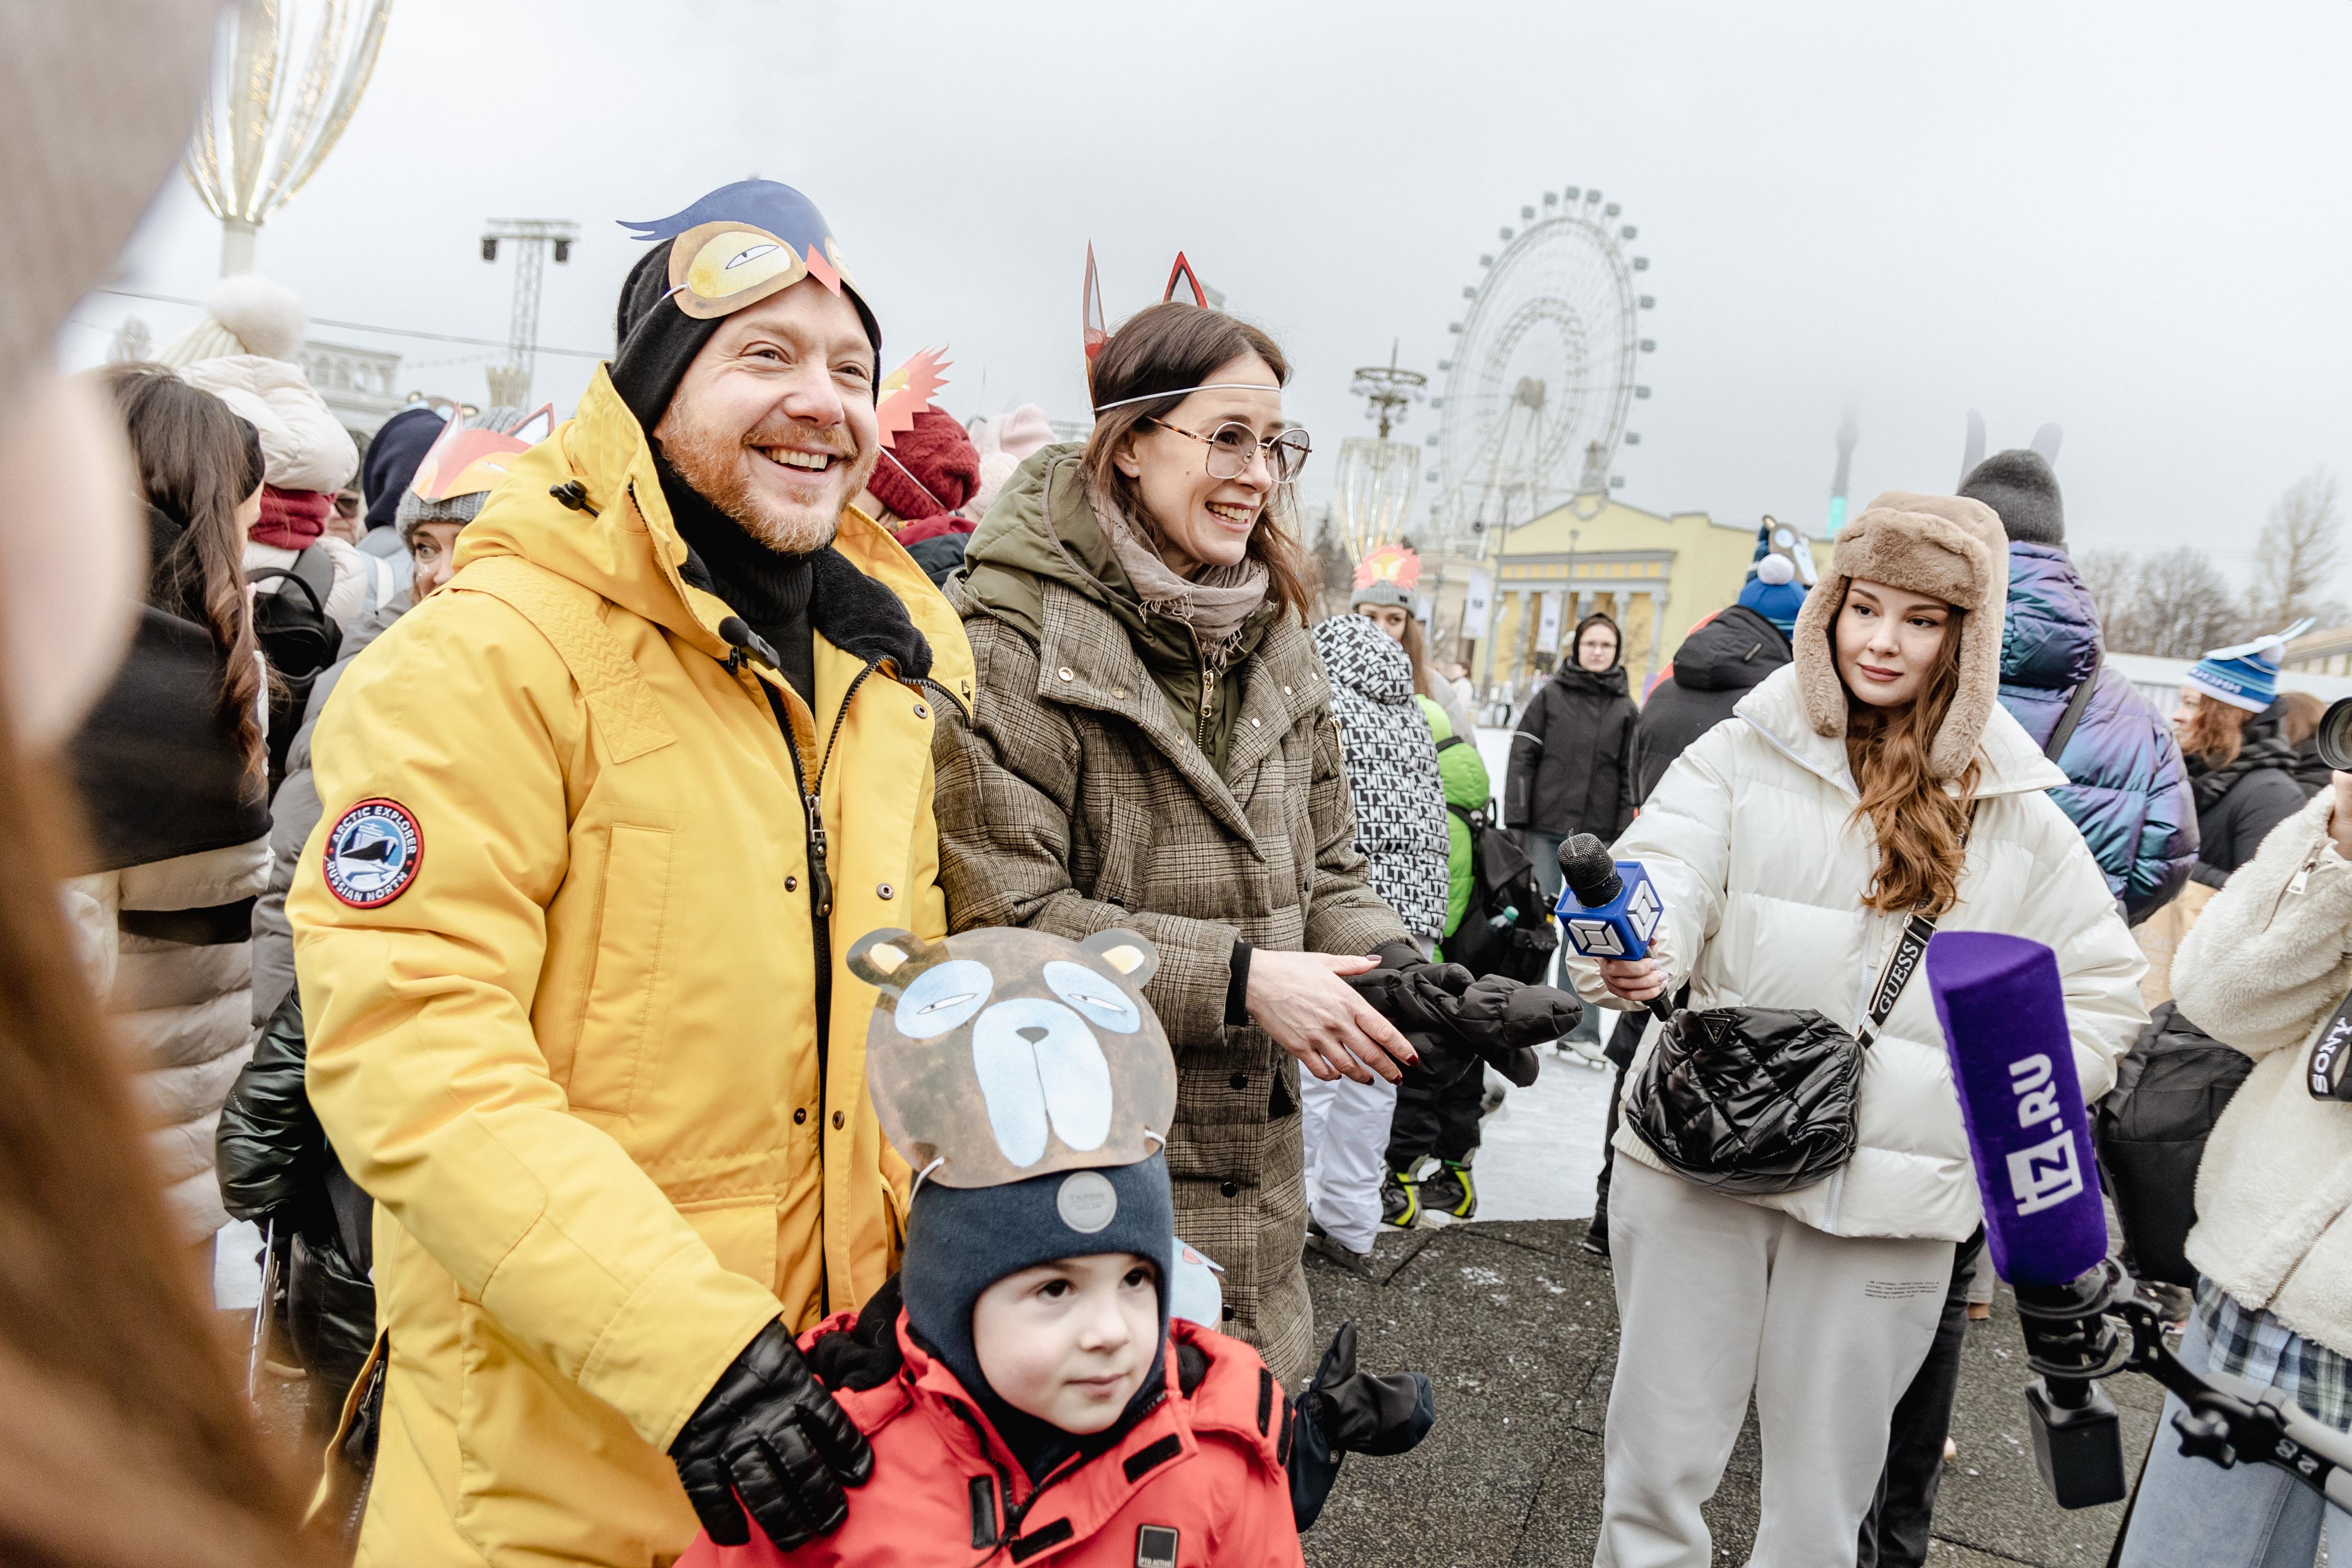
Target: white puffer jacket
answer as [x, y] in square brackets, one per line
[182, 1007]
[1761, 864]
[2264, 970]
[303, 446]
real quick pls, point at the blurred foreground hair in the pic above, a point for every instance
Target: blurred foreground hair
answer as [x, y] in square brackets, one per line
[124, 1438]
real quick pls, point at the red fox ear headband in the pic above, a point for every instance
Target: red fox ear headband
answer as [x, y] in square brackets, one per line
[1096, 332]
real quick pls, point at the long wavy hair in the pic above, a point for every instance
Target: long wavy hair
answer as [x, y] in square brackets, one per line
[2214, 732]
[1176, 347]
[197, 462]
[1922, 829]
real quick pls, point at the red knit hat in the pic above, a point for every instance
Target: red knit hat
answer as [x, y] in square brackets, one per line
[929, 469]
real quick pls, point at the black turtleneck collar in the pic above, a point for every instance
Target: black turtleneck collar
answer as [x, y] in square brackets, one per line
[767, 588]
[789, 600]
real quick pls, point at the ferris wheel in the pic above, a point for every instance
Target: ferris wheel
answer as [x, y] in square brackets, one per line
[1540, 386]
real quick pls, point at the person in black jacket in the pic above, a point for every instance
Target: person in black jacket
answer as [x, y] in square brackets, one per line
[1573, 762]
[2240, 766]
[1717, 666]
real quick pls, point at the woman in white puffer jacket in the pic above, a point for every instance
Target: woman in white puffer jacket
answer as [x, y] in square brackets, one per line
[2265, 970]
[1789, 846]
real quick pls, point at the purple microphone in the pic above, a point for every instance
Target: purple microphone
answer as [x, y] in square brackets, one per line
[2003, 1009]
[2004, 1014]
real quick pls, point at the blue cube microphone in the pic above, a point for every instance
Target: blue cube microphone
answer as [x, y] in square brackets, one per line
[1609, 909]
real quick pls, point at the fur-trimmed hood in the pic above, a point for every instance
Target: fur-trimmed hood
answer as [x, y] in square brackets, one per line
[1946, 546]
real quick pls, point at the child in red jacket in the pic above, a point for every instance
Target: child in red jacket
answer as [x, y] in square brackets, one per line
[1026, 1398]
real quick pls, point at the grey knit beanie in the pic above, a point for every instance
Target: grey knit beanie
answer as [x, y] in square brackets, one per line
[2022, 488]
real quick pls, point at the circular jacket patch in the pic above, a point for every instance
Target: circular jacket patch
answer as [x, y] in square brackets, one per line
[373, 853]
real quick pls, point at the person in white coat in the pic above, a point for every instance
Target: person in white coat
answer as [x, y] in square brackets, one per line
[2266, 970]
[1874, 777]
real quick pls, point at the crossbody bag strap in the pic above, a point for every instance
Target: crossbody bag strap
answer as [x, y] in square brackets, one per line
[2072, 716]
[1909, 948]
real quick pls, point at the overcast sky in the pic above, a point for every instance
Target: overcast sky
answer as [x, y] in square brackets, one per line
[2133, 219]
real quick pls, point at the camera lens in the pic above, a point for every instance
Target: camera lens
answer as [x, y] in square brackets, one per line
[2333, 740]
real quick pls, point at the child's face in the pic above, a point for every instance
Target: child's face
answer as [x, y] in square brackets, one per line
[1069, 1342]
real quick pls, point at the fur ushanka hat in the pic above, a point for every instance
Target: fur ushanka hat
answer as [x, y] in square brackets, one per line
[1946, 546]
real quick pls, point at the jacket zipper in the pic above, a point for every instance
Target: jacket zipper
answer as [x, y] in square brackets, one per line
[819, 858]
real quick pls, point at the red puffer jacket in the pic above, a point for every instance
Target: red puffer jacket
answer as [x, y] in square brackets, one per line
[1199, 1480]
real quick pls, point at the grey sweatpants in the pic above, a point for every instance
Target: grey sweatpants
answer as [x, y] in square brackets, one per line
[1717, 1298]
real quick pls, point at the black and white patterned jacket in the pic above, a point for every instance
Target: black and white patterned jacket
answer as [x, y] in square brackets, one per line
[1392, 770]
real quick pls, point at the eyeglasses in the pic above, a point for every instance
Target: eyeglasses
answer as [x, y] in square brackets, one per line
[1232, 444]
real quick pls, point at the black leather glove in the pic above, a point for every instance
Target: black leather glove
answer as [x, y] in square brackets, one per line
[1455, 1021]
[1347, 1412]
[768, 1434]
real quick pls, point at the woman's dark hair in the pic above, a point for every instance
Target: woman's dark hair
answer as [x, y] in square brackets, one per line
[197, 462]
[1174, 348]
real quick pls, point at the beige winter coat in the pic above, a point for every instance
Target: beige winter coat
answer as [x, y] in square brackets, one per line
[2264, 970]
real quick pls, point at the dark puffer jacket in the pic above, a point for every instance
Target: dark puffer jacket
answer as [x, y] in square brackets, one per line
[2238, 802]
[1719, 663]
[2128, 791]
[1572, 759]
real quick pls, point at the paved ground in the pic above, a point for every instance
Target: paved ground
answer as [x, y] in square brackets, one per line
[1517, 1326]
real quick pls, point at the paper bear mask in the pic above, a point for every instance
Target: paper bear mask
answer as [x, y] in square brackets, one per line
[1003, 1053]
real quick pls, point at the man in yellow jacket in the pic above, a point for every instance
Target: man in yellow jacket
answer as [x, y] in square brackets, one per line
[599, 822]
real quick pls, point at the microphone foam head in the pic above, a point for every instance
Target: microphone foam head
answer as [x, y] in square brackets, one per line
[2003, 1008]
[1590, 873]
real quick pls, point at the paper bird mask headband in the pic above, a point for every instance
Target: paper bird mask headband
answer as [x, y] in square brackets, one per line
[1096, 331]
[742, 243]
[1395, 565]
[464, 461]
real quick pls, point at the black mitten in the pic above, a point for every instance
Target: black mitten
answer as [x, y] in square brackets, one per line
[1345, 1411]
[866, 1353]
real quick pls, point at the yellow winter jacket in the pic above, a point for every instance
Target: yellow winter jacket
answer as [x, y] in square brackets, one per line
[574, 1057]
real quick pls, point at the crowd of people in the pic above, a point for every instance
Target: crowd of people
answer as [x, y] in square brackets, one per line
[521, 864]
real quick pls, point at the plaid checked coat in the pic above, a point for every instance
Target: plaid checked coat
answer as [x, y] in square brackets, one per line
[1074, 800]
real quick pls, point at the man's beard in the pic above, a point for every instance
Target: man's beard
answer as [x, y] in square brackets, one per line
[718, 468]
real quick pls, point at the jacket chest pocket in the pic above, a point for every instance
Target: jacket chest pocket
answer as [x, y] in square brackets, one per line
[627, 1005]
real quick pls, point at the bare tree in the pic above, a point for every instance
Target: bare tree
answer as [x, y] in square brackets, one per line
[2110, 575]
[2175, 605]
[1328, 568]
[2298, 556]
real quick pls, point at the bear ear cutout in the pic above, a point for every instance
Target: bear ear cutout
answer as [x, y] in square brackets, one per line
[1129, 952]
[889, 958]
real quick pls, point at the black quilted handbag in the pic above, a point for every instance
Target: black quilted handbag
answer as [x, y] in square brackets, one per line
[1762, 1100]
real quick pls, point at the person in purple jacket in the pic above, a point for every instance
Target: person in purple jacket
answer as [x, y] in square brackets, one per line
[2129, 792]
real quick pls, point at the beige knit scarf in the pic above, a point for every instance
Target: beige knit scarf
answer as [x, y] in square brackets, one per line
[1216, 604]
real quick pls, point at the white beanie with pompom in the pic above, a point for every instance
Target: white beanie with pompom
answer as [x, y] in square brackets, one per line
[246, 314]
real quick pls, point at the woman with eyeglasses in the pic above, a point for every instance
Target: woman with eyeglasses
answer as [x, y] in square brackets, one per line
[1152, 747]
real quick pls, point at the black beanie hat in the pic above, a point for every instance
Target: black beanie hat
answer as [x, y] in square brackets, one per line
[961, 1240]
[656, 345]
[392, 455]
[2022, 488]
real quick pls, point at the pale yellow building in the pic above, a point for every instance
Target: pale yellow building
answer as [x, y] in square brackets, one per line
[1656, 575]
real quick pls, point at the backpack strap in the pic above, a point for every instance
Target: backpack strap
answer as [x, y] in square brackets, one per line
[316, 568]
[621, 701]
[2076, 705]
